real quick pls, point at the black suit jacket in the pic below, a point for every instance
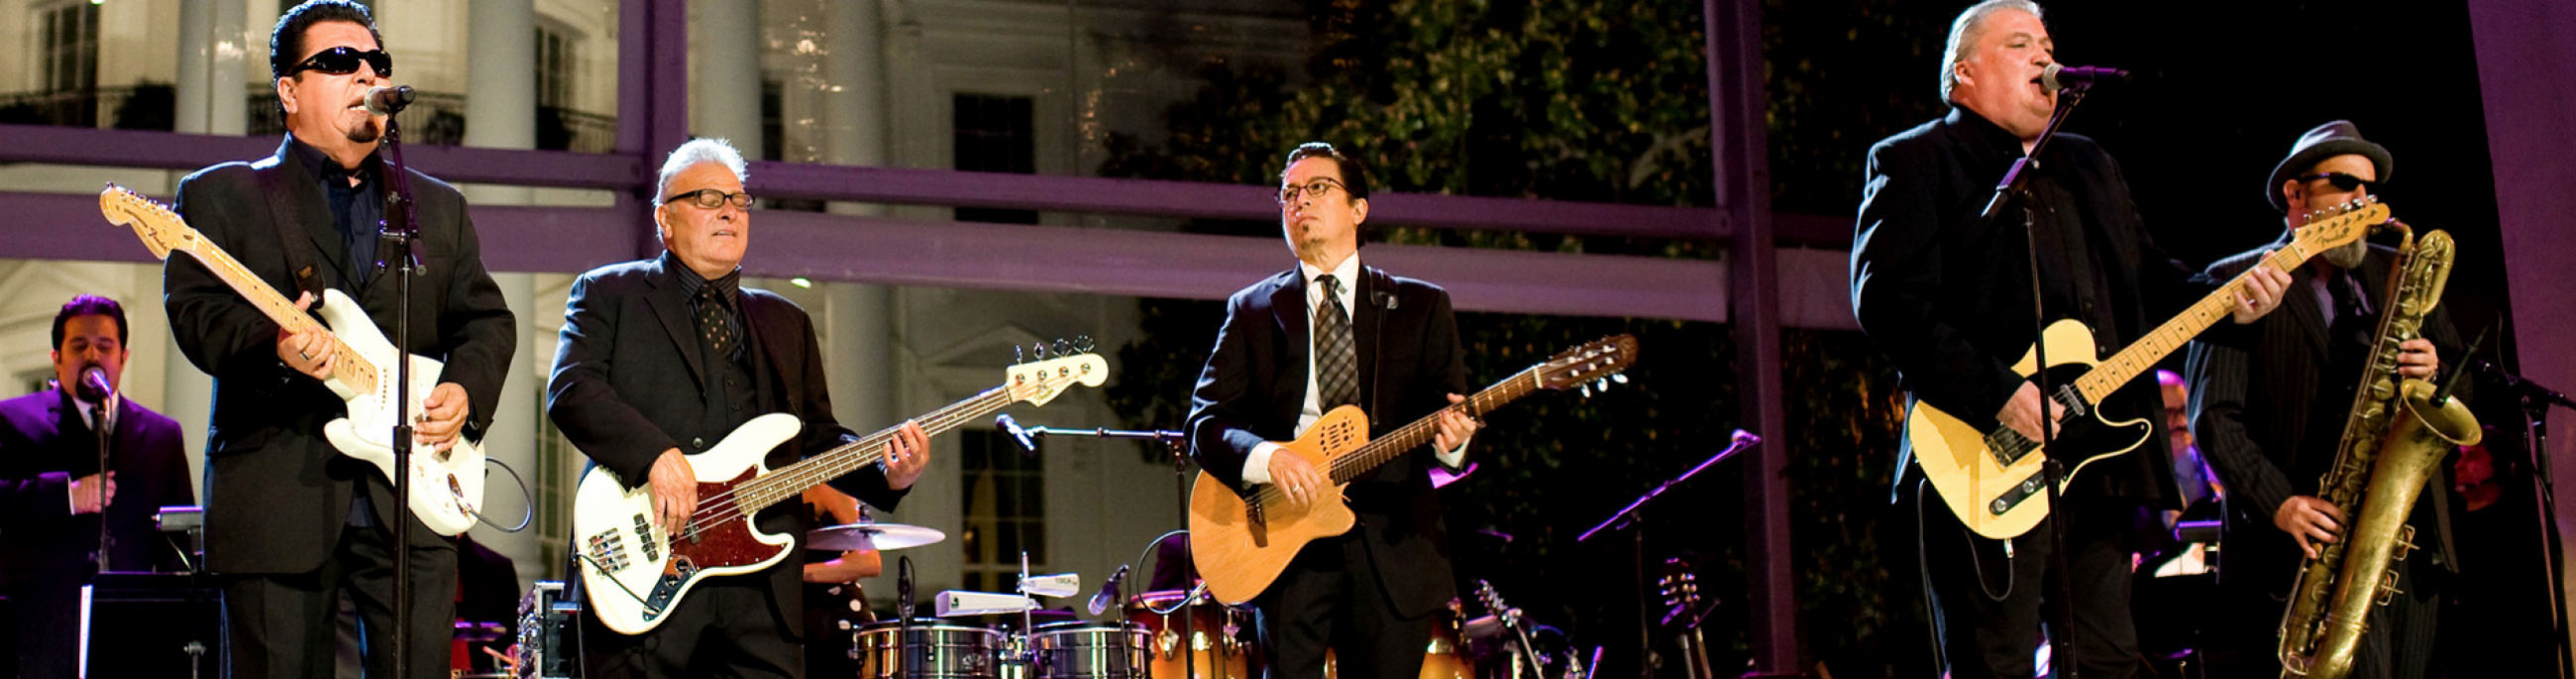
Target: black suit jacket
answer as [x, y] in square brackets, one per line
[44, 444]
[2269, 416]
[278, 493]
[628, 381]
[1949, 299]
[1254, 387]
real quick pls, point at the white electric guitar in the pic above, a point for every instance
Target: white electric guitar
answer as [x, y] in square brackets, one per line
[636, 572]
[447, 487]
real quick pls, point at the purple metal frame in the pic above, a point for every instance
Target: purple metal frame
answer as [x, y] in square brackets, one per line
[1739, 138]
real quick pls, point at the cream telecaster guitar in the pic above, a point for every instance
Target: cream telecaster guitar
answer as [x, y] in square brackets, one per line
[1991, 479]
[447, 487]
[636, 572]
[1241, 546]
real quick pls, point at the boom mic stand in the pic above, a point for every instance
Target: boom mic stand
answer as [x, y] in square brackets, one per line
[1177, 444]
[1633, 517]
[2062, 650]
[2536, 402]
[396, 255]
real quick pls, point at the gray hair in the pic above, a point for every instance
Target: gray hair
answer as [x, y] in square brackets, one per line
[1967, 30]
[699, 150]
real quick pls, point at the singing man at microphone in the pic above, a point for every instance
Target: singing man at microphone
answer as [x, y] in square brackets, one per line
[52, 492]
[1949, 298]
[291, 520]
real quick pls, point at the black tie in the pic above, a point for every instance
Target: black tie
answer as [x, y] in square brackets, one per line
[1337, 379]
[714, 323]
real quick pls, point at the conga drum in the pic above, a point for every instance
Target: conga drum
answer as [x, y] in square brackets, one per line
[1215, 633]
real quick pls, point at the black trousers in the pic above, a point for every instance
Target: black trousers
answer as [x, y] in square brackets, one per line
[1331, 598]
[287, 625]
[1989, 604]
[728, 626]
[47, 623]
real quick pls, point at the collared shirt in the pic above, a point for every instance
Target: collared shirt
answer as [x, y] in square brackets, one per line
[728, 287]
[1256, 466]
[357, 211]
[2323, 287]
[90, 420]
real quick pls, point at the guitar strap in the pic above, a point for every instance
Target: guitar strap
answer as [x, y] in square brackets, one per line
[290, 225]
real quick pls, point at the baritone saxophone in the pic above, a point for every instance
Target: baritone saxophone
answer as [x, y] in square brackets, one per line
[2395, 436]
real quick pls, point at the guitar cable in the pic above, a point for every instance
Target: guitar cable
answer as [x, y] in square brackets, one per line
[526, 498]
[1923, 566]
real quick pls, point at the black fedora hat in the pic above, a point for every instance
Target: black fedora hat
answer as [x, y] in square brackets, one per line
[2326, 141]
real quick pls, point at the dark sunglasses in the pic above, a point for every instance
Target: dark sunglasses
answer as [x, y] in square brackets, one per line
[344, 60]
[2341, 181]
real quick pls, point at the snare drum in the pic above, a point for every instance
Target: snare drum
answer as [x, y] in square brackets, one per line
[1088, 650]
[930, 650]
[1217, 643]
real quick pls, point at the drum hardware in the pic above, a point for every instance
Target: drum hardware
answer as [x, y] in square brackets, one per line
[549, 633]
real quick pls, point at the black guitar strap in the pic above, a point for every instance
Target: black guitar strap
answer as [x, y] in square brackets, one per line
[290, 227]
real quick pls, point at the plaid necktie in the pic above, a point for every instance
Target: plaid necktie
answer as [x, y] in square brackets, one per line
[1337, 379]
[715, 323]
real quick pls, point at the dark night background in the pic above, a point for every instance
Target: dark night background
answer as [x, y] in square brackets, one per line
[1607, 101]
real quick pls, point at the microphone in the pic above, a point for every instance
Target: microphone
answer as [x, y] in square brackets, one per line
[385, 101]
[93, 385]
[1746, 438]
[1108, 591]
[1028, 443]
[2061, 76]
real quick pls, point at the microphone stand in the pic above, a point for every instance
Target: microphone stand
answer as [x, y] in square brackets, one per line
[1177, 444]
[2536, 402]
[2062, 649]
[396, 255]
[100, 426]
[1634, 517]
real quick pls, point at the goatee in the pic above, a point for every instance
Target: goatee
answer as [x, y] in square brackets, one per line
[2348, 255]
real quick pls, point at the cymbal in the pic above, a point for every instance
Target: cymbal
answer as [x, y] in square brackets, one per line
[876, 536]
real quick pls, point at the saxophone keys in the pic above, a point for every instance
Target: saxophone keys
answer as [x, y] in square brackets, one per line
[2387, 586]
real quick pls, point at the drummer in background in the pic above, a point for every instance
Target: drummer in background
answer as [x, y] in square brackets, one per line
[832, 592]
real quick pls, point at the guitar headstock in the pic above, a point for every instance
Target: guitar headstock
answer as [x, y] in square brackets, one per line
[1592, 366]
[2340, 225]
[160, 229]
[1040, 381]
[1493, 602]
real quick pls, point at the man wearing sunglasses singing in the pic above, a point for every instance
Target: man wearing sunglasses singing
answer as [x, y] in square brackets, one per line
[291, 521]
[2269, 414]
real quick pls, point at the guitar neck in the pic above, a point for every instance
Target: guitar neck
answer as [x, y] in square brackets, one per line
[1400, 441]
[2142, 355]
[347, 365]
[792, 480]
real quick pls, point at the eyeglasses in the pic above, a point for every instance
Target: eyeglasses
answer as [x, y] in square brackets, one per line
[344, 60]
[1313, 189]
[2342, 181]
[711, 199]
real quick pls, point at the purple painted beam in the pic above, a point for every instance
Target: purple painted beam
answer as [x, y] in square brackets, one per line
[175, 151]
[1738, 139]
[1108, 262]
[1218, 201]
[68, 226]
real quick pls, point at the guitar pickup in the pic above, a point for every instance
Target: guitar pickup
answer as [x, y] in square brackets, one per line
[644, 539]
[2020, 492]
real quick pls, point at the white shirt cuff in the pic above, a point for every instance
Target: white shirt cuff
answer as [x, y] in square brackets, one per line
[71, 498]
[1456, 456]
[1256, 466]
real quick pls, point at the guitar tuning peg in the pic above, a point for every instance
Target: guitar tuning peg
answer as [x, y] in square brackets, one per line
[1017, 357]
[1063, 348]
[1602, 384]
[1621, 378]
[1587, 391]
[1083, 344]
[1039, 348]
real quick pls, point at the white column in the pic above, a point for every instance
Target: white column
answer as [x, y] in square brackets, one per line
[233, 50]
[196, 52]
[725, 67]
[512, 439]
[188, 396]
[501, 89]
[859, 354]
[854, 95]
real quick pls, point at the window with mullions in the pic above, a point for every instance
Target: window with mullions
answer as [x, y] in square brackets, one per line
[995, 134]
[69, 47]
[1005, 498]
